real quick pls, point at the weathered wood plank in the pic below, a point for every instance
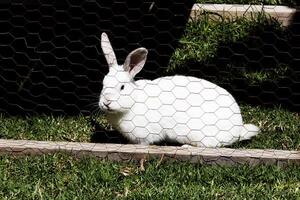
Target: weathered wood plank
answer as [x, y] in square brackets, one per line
[283, 14]
[118, 152]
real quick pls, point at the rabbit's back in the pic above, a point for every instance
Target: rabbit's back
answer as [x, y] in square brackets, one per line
[196, 111]
[184, 92]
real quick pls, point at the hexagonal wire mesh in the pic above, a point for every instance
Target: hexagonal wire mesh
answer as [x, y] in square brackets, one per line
[52, 62]
[183, 109]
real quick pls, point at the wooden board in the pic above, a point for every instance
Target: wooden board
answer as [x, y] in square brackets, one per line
[118, 152]
[283, 14]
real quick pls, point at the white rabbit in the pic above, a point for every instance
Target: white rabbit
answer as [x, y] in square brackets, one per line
[181, 109]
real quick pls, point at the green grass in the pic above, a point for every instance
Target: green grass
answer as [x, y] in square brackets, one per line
[218, 49]
[63, 177]
[258, 77]
[279, 128]
[202, 37]
[45, 128]
[200, 47]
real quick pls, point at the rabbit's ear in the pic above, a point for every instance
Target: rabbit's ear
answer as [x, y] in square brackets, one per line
[108, 50]
[135, 61]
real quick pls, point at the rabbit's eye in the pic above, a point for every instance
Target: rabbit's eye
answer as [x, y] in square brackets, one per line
[122, 87]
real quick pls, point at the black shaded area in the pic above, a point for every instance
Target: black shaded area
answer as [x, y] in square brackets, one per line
[101, 134]
[50, 55]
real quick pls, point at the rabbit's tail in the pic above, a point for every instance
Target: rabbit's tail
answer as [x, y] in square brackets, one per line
[248, 131]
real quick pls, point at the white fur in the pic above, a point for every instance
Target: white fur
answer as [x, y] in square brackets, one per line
[184, 109]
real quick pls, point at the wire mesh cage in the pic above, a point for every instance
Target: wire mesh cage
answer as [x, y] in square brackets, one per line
[211, 77]
[50, 56]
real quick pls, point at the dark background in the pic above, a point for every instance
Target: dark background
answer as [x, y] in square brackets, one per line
[51, 61]
[50, 55]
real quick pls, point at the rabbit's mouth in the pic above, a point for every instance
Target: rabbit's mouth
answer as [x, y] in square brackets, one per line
[110, 110]
[107, 109]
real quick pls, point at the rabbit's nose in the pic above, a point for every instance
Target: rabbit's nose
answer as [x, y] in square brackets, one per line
[108, 96]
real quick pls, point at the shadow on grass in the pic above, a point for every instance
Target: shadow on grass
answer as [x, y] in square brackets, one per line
[259, 69]
[102, 134]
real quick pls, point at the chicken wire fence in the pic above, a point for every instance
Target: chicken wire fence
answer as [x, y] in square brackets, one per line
[51, 59]
[61, 57]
